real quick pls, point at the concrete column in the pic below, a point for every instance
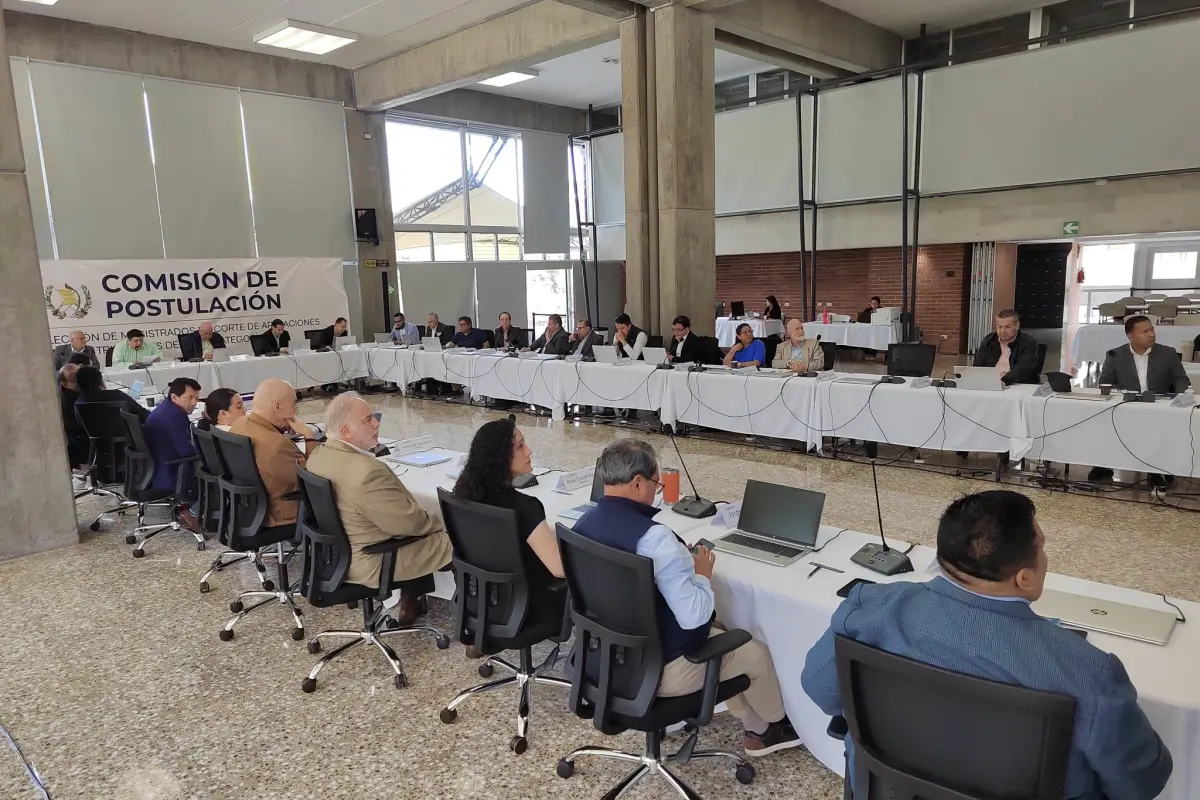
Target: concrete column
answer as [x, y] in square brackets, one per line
[686, 155]
[36, 511]
[370, 185]
[638, 129]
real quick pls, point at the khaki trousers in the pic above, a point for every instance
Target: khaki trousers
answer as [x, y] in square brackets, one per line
[759, 705]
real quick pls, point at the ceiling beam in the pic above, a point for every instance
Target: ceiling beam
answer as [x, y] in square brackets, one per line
[616, 9]
[783, 59]
[527, 36]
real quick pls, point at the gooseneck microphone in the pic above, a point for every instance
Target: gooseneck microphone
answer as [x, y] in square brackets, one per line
[695, 506]
[879, 557]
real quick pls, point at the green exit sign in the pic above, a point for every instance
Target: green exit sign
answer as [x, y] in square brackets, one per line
[1071, 228]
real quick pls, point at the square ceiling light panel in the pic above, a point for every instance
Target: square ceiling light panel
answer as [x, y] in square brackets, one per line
[292, 35]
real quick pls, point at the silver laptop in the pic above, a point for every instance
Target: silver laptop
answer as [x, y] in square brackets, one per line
[654, 355]
[431, 343]
[597, 493]
[1105, 616]
[345, 341]
[606, 354]
[383, 338]
[220, 355]
[979, 378]
[777, 525]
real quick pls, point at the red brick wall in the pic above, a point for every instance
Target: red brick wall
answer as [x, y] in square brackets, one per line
[848, 279]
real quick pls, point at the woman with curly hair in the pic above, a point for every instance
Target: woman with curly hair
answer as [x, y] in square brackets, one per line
[498, 454]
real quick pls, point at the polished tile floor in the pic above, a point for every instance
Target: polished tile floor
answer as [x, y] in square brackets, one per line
[114, 684]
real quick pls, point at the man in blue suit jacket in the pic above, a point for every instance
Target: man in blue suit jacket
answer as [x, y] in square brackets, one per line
[977, 620]
[168, 432]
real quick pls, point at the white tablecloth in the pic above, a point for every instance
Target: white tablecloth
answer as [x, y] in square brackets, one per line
[727, 329]
[741, 402]
[1093, 341]
[854, 334]
[789, 612]
[1131, 436]
[301, 370]
[637, 385]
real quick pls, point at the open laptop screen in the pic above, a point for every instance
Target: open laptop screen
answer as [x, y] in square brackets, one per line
[782, 512]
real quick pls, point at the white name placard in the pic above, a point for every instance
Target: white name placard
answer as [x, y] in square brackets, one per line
[572, 481]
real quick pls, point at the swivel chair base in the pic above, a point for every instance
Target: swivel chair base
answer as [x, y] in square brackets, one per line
[375, 627]
[283, 591]
[523, 677]
[229, 558]
[138, 537]
[652, 762]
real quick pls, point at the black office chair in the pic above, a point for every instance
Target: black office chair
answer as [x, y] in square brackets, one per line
[327, 557]
[617, 663]
[604, 334]
[710, 350]
[211, 512]
[654, 341]
[140, 469]
[924, 732]
[830, 351]
[105, 429]
[488, 565]
[489, 336]
[313, 336]
[771, 344]
[910, 359]
[244, 528]
[258, 344]
[1041, 358]
[108, 356]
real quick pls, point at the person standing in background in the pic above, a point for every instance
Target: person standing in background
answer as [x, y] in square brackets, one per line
[772, 311]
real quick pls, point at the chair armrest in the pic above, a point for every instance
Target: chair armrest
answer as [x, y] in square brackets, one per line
[185, 459]
[838, 728]
[719, 645]
[389, 545]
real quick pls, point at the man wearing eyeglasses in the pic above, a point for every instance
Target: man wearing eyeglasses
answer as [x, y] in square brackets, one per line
[686, 347]
[685, 605]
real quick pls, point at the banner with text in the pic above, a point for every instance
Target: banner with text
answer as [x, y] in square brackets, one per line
[239, 296]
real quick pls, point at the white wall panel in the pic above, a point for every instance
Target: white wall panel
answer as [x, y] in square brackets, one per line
[756, 158]
[501, 287]
[300, 176]
[98, 163]
[445, 289]
[545, 200]
[1104, 107]
[33, 156]
[200, 161]
[608, 179]
[860, 141]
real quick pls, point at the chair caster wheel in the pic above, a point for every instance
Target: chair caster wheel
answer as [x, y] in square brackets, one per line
[268, 586]
[443, 642]
[236, 606]
[298, 634]
[565, 768]
[448, 715]
[129, 538]
[401, 682]
[201, 546]
[139, 553]
[314, 647]
[225, 635]
[486, 670]
[745, 774]
[390, 624]
[309, 685]
[95, 526]
[204, 587]
[518, 744]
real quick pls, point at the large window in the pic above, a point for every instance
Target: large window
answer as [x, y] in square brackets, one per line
[426, 166]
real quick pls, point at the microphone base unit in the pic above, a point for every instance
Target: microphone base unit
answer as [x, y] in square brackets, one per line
[694, 507]
[885, 562]
[524, 481]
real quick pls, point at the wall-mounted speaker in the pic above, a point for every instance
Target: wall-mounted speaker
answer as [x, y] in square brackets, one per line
[365, 227]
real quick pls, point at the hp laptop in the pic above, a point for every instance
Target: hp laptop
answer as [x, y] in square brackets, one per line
[346, 341]
[607, 354]
[979, 378]
[777, 525]
[432, 344]
[220, 355]
[383, 338]
[1105, 616]
[580, 510]
[654, 355]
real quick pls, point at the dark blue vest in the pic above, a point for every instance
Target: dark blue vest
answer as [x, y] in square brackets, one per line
[620, 523]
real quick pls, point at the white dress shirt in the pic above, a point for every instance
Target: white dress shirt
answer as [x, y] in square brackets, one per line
[1142, 364]
[678, 348]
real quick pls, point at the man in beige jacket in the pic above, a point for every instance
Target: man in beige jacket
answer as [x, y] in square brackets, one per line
[375, 506]
[797, 353]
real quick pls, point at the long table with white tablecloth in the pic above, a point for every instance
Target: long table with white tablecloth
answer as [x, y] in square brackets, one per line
[854, 334]
[789, 611]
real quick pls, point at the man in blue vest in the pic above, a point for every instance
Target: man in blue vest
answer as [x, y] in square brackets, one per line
[624, 518]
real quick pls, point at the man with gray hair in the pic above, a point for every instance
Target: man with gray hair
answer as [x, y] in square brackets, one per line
[375, 506]
[684, 606]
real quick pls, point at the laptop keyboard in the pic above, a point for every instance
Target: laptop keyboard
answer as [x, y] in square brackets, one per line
[760, 545]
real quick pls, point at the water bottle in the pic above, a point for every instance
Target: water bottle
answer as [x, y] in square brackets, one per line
[825, 315]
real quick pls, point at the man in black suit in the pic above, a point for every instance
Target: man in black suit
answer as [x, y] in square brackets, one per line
[1012, 353]
[508, 337]
[554, 341]
[91, 390]
[200, 343]
[328, 334]
[275, 339]
[583, 340]
[686, 347]
[77, 346]
[435, 327]
[78, 445]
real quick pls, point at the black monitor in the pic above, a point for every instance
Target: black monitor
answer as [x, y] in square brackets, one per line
[781, 512]
[737, 309]
[910, 359]
[720, 310]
